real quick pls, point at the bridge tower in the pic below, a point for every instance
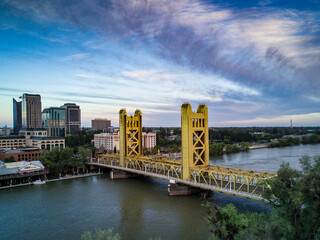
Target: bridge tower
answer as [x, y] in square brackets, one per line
[130, 131]
[195, 138]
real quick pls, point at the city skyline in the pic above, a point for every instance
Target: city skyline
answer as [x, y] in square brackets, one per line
[252, 64]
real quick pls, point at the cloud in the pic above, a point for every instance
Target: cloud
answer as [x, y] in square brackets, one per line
[263, 48]
[238, 58]
[284, 120]
[77, 56]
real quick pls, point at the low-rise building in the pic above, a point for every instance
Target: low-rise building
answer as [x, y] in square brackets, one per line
[174, 137]
[20, 154]
[149, 140]
[21, 172]
[107, 141]
[259, 134]
[32, 137]
[12, 142]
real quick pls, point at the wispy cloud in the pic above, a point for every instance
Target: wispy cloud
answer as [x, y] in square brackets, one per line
[251, 61]
[77, 56]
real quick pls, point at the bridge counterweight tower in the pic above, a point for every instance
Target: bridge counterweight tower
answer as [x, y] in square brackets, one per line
[195, 139]
[130, 131]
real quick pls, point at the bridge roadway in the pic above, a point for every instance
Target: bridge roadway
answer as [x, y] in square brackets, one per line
[234, 181]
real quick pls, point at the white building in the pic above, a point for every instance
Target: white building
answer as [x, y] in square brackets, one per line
[32, 137]
[149, 140]
[107, 141]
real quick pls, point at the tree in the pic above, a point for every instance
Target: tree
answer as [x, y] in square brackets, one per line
[295, 196]
[100, 234]
[224, 223]
[9, 159]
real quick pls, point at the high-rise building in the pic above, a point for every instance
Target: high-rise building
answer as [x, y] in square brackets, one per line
[31, 111]
[100, 124]
[17, 116]
[73, 117]
[54, 121]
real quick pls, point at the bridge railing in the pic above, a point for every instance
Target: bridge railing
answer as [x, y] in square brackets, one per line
[163, 167]
[231, 178]
[225, 178]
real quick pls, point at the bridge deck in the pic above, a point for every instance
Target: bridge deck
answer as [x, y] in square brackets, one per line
[239, 182]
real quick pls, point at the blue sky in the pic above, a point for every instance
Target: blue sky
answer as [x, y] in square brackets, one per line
[253, 63]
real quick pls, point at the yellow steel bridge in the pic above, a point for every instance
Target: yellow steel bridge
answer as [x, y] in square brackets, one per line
[194, 168]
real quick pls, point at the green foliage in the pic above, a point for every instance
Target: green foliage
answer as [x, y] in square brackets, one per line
[232, 148]
[225, 223]
[80, 138]
[216, 149]
[314, 138]
[244, 146]
[295, 196]
[168, 146]
[285, 142]
[64, 160]
[147, 152]
[9, 159]
[100, 234]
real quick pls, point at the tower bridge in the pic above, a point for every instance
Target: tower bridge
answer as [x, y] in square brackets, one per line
[190, 173]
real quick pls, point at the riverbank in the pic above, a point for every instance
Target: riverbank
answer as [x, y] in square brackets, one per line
[56, 179]
[258, 146]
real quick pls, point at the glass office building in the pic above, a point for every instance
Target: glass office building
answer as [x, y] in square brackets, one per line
[17, 116]
[54, 120]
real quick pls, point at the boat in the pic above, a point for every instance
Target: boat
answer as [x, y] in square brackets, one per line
[37, 182]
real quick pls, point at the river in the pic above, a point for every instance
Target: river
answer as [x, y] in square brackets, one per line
[136, 208]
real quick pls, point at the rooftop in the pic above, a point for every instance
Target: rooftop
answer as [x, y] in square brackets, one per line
[22, 166]
[46, 138]
[12, 137]
[32, 129]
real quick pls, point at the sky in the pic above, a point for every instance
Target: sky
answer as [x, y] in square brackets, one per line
[253, 63]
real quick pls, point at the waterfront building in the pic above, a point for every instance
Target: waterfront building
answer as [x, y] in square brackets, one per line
[20, 154]
[31, 111]
[149, 140]
[54, 121]
[21, 172]
[73, 117]
[32, 137]
[100, 124]
[107, 141]
[17, 116]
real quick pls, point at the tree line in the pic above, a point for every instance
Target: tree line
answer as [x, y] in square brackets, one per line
[313, 139]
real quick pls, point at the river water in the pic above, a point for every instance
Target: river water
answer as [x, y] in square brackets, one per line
[136, 208]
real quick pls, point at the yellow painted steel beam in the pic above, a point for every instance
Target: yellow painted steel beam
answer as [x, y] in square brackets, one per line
[130, 132]
[194, 138]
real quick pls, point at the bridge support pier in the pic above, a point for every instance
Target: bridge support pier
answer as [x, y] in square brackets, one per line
[175, 189]
[118, 174]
